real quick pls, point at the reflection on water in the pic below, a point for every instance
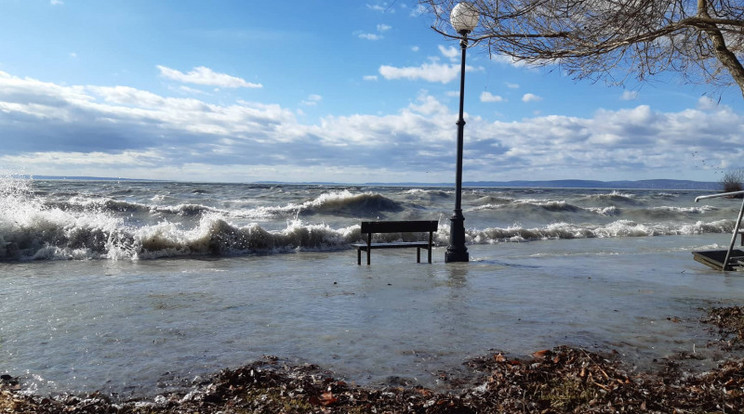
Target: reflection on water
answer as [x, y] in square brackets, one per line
[458, 274]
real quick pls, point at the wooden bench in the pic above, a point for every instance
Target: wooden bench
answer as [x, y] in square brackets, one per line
[371, 227]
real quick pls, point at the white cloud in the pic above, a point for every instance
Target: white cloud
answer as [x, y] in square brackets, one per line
[205, 76]
[191, 91]
[419, 10]
[415, 48]
[382, 7]
[96, 118]
[489, 97]
[512, 85]
[508, 60]
[312, 100]
[56, 2]
[381, 28]
[705, 103]
[370, 36]
[449, 52]
[629, 95]
[370, 77]
[129, 132]
[531, 97]
[430, 72]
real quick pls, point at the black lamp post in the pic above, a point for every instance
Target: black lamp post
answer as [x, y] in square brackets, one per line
[464, 18]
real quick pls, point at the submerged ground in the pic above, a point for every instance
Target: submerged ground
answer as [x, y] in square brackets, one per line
[560, 380]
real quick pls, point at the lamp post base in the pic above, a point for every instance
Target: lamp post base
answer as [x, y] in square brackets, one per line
[456, 251]
[451, 256]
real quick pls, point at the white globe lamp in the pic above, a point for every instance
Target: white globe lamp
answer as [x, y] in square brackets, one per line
[464, 17]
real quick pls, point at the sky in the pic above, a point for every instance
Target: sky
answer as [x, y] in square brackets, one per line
[347, 91]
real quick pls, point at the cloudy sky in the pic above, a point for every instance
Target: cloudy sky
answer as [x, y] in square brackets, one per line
[322, 90]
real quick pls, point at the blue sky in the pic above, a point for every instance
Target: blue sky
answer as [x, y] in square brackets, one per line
[322, 90]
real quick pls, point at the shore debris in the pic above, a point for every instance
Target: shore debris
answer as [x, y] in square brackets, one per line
[730, 323]
[558, 380]
[561, 380]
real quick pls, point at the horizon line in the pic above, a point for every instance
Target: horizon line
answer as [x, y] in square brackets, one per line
[655, 183]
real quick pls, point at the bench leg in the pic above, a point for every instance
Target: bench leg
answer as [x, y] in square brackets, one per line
[418, 255]
[359, 257]
[369, 247]
[431, 240]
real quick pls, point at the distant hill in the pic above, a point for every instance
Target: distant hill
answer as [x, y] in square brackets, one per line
[661, 184]
[640, 184]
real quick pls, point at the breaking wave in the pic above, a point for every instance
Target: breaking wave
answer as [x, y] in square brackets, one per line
[32, 229]
[543, 206]
[339, 203]
[53, 222]
[614, 196]
[120, 207]
[51, 239]
[58, 235]
[620, 228]
[432, 193]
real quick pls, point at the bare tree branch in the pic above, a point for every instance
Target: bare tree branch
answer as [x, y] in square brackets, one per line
[700, 39]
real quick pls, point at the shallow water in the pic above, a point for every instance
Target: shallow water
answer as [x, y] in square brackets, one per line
[132, 326]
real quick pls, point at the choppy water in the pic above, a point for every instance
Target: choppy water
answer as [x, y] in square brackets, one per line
[48, 220]
[121, 286]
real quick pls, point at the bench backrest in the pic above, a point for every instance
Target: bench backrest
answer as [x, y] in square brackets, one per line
[399, 226]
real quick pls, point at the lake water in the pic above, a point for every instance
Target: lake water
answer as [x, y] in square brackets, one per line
[129, 287]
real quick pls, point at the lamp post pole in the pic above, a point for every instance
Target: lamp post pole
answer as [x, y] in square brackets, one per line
[456, 251]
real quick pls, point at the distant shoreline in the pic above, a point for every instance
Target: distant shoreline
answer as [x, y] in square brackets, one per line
[657, 184]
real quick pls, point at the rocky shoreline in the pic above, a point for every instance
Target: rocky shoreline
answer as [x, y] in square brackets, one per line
[559, 380]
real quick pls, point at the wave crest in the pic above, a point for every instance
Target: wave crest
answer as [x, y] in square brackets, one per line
[217, 237]
[339, 203]
[50, 240]
[614, 196]
[619, 228]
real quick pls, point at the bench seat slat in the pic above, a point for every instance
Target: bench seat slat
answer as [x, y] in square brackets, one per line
[391, 245]
[399, 226]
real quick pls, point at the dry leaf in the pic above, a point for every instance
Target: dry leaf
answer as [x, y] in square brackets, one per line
[327, 399]
[541, 354]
